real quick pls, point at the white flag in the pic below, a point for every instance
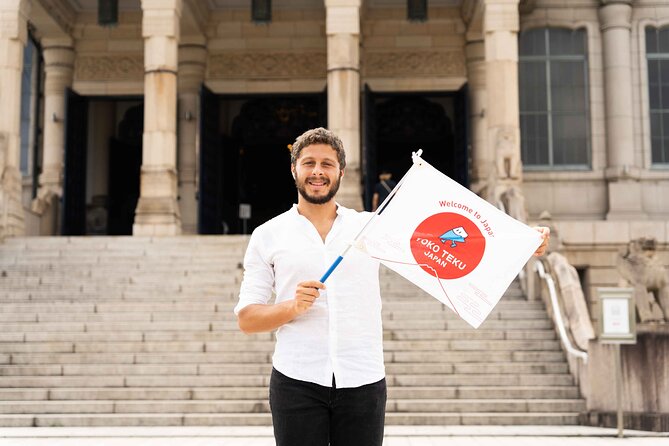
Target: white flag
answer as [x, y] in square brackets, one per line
[449, 242]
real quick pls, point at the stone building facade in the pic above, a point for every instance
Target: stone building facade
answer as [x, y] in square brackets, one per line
[168, 121]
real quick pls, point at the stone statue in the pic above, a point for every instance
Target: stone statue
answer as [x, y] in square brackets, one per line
[506, 153]
[643, 271]
[573, 300]
[514, 203]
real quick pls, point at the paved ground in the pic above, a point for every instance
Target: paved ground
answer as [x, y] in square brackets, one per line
[395, 436]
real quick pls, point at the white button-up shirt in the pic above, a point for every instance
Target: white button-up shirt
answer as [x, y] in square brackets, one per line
[341, 333]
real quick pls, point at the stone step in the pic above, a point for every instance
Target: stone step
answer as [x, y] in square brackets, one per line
[469, 334]
[103, 331]
[265, 369]
[121, 326]
[543, 379]
[455, 324]
[204, 393]
[481, 379]
[392, 419]
[266, 346]
[211, 305]
[149, 336]
[480, 419]
[233, 334]
[139, 358]
[476, 356]
[262, 406]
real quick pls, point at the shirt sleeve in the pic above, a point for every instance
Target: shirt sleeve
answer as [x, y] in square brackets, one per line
[258, 280]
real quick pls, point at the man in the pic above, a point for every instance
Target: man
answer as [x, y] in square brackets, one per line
[382, 188]
[328, 381]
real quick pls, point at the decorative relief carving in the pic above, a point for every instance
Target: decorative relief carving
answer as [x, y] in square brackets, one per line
[103, 68]
[267, 65]
[428, 63]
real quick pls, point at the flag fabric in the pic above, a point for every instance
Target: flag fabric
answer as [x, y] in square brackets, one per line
[448, 241]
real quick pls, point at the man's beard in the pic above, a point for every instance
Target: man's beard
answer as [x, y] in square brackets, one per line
[334, 187]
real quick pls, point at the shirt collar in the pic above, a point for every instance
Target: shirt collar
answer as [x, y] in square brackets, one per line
[340, 209]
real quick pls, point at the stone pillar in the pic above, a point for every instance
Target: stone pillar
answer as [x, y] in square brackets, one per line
[13, 37]
[622, 174]
[157, 210]
[58, 66]
[343, 39]
[500, 27]
[482, 157]
[192, 62]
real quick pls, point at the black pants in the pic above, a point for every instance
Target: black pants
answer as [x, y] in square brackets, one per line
[307, 414]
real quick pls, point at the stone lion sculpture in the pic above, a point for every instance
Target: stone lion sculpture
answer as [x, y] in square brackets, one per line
[643, 271]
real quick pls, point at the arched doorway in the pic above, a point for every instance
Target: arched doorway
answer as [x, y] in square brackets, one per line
[395, 125]
[252, 155]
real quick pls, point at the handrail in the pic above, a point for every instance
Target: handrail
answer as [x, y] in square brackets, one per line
[539, 267]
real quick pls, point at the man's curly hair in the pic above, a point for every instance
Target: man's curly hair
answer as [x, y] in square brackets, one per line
[318, 136]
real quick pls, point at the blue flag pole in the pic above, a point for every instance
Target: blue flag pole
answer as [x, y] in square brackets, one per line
[415, 156]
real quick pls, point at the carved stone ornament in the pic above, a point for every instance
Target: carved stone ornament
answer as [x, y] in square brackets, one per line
[267, 65]
[643, 270]
[104, 68]
[411, 63]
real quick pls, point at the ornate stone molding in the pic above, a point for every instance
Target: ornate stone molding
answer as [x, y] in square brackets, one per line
[267, 65]
[427, 63]
[103, 68]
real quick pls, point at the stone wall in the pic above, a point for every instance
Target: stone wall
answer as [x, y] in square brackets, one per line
[583, 194]
[289, 54]
[402, 55]
[109, 60]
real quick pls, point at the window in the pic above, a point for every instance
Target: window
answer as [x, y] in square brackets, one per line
[30, 93]
[417, 10]
[261, 11]
[657, 53]
[553, 85]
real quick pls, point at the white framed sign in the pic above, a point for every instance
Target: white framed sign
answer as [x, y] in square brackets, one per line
[617, 316]
[244, 211]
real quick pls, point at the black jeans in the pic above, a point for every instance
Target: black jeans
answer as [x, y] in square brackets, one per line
[307, 414]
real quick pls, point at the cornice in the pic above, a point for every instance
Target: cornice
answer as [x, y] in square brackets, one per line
[199, 10]
[61, 12]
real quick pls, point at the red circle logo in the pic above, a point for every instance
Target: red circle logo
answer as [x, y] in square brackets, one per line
[449, 244]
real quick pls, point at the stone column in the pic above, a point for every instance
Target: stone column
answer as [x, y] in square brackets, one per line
[500, 27]
[157, 210]
[343, 39]
[192, 62]
[482, 157]
[13, 37]
[622, 174]
[58, 66]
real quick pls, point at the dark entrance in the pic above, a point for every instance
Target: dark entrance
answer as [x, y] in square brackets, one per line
[245, 157]
[397, 124]
[125, 163]
[103, 157]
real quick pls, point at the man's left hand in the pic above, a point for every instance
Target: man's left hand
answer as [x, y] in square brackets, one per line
[545, 235]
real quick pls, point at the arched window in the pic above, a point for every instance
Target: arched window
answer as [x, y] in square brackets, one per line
[657, 53]
[553, 86]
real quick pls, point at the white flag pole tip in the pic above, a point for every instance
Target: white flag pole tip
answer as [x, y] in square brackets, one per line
[415, 156]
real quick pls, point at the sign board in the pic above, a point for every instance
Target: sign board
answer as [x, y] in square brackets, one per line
[617, 316]
[244, 211]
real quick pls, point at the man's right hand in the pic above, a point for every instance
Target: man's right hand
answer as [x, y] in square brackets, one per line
[305, 295]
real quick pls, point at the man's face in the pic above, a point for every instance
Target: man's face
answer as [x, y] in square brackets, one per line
[317, 173]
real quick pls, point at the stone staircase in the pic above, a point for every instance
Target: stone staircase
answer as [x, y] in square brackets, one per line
[133, 331]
